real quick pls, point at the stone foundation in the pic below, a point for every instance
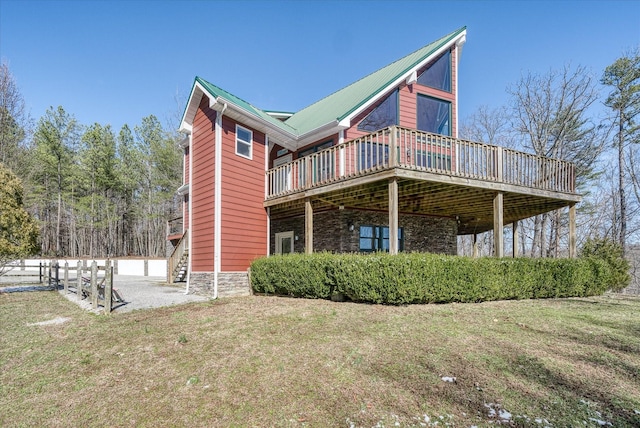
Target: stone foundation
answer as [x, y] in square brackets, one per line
[331, 231]
[230, 284]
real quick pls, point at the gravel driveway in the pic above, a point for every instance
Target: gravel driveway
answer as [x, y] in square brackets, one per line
[141, 292]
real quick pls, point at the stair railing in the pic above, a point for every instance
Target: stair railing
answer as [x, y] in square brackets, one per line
[176, 256]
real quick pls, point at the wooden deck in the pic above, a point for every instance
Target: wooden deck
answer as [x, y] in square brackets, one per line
[435, 175]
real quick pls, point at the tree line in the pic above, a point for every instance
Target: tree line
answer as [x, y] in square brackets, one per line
[92, 191]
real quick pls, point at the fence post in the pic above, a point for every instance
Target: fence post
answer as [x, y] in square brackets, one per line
[66, 277]
[40, 270]
[94, 285]
[57, 277]
[79, 281]
[108, 286]
[146, 267]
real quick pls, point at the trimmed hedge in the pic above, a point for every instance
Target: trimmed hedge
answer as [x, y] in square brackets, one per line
[428, 278]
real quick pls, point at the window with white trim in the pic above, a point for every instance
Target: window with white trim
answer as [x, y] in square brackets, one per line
[244, 142]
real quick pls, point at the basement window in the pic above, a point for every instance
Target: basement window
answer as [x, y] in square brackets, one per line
[376, 238]
[244, 146]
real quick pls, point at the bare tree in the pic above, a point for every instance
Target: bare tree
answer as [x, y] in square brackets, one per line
[550, 115]
[14, 120]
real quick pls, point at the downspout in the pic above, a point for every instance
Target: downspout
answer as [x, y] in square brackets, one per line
[217, 222]
[190, 212]
[267, 155]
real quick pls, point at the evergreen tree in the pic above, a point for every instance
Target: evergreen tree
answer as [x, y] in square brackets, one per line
[624, 99]
[18, 230]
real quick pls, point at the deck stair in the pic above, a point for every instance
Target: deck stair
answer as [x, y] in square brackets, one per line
[179, 261]
[180, 271]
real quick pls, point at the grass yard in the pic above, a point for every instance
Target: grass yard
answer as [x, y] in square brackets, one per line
[269, 361]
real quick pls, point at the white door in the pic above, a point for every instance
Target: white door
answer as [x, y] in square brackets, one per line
[284, 242]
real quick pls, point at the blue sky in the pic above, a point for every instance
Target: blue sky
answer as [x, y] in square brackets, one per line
[115, 62]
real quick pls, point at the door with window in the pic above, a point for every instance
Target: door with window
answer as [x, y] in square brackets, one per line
[284, 242]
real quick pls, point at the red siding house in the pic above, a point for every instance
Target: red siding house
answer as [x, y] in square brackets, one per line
[375, 166]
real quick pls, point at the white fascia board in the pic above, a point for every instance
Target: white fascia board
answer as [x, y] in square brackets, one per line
[346, 122]
[192, 106]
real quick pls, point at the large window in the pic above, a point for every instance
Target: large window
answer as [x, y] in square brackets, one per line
[244, 137]
[376, 238]
[438, 75]
[434, 115]
[386, 114]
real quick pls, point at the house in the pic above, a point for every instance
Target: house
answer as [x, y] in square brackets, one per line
[375, 166]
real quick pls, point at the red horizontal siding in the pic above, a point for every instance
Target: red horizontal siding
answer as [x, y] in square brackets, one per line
[244, 220]
[202, 189]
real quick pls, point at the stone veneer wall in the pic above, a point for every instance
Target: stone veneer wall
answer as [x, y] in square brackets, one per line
[331, 231]
[230, 284]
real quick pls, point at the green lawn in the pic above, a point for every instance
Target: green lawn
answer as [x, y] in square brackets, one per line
[269, 361]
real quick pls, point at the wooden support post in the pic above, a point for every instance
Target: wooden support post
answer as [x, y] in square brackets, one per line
[66, 277]
[146, 267]
[79, 281]
[393, 214]
[475, 246]
[94, 285]
[108, 286]
[498, 225]
[308, 226]
[572, 231]
[515, 238]
[57, 275]
[393, 144]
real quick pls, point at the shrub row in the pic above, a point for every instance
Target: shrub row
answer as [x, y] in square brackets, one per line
[428, 278]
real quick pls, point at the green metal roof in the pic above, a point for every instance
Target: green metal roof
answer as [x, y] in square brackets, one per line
[216, 92]
[342, 103]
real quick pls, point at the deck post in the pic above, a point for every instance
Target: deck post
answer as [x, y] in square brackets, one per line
[308, 226]
[572, 231]
[393, 215]
[498, 225]
[393, 144]
[515, 233]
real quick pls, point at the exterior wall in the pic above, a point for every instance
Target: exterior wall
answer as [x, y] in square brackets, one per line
[331, 231]
[202, 188]
[244, 219]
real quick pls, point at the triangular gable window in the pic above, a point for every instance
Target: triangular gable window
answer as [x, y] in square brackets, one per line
[386, 114]
[438, 75]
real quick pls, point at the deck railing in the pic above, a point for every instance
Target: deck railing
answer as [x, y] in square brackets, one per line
[397, 147]
[175, 226]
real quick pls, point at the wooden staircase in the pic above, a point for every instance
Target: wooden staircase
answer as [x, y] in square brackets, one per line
[180, 271]
[179, 261]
